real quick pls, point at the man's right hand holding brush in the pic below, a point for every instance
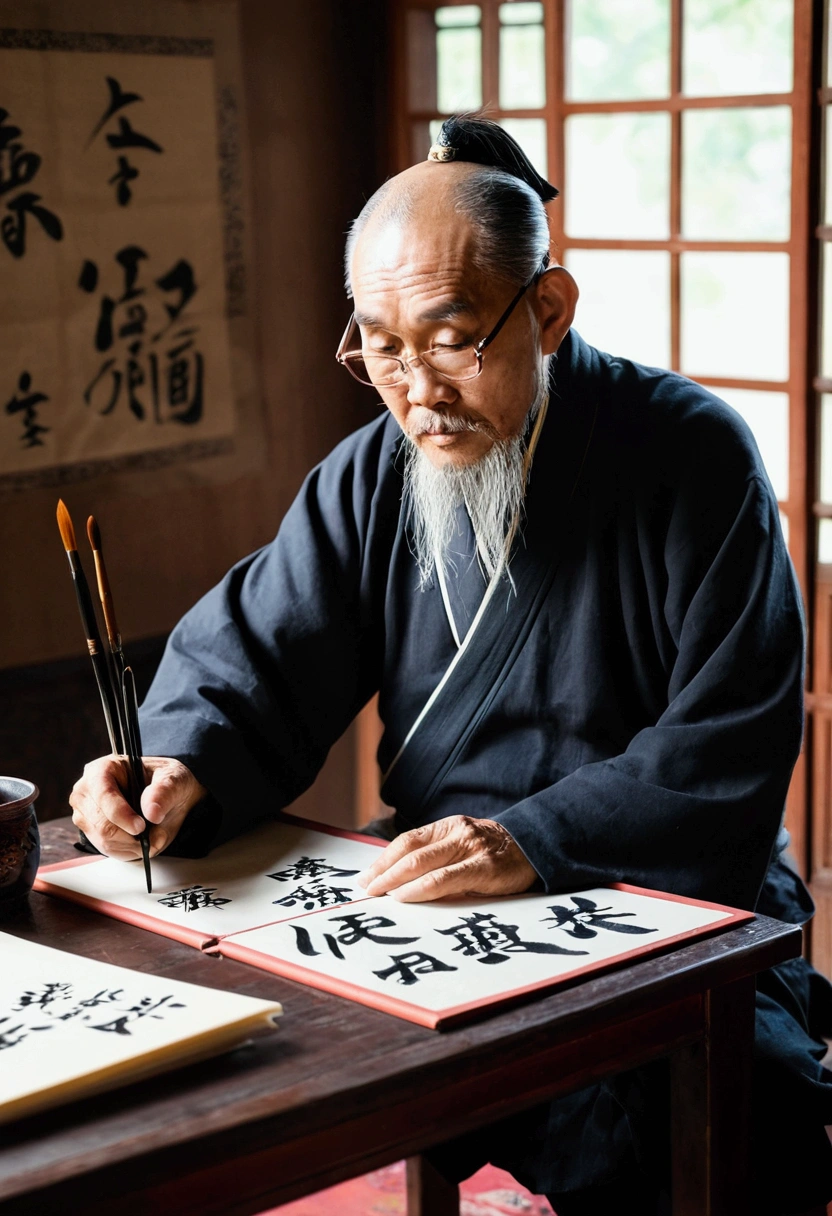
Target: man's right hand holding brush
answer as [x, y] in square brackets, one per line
[101, 811]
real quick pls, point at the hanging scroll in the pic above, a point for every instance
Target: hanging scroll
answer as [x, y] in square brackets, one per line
[122, 272]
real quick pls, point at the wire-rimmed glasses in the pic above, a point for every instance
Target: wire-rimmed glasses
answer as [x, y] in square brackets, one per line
[381, 370]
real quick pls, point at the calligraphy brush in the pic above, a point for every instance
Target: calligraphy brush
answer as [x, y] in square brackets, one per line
[82, 592]
[133, 741]
[113, 635]
[126, 684]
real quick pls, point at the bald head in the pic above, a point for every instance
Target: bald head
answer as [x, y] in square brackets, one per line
[497, 218]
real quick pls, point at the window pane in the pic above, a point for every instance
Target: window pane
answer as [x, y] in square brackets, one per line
[731, 47]
[735, 315]
[522, 57]
[737, 174]
[826, 311]
[530, 134]
[768, 416]
[459, 58]
[454, 15]
[825, 541]
[827, 191]
[784, 524]
[826, 448]
[618, 175]
[625, 302]
[617, 49]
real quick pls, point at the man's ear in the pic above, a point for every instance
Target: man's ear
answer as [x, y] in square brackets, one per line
[555, 298]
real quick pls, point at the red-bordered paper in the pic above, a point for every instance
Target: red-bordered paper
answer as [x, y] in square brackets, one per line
[285, 899]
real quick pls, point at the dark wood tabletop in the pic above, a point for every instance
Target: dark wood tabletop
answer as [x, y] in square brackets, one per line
[340, 1088]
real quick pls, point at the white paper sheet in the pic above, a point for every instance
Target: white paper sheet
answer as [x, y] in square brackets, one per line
[70, 1026]
[275, 872]
[451, 954]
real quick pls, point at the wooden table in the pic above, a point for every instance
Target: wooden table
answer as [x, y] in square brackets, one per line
[341, 1089]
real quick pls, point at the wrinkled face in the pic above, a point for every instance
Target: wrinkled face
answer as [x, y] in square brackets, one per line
[416, 287]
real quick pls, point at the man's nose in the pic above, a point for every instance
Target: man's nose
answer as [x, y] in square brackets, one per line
[426, 387]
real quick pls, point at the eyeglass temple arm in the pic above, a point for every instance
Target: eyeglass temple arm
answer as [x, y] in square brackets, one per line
[480, 347]
[340, 353]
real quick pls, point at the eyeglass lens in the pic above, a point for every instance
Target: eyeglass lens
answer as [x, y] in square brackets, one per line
[381, 370]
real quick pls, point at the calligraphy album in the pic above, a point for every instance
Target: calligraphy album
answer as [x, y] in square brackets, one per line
[71, 1027]
[285, 899]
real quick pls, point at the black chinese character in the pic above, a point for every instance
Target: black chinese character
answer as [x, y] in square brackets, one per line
[10, 1036]
[121, 179]
[356, 927]
[315, 895]
[191, 899]
[40, 1000]
[586, 918]
[482, 936]
[104, 997]
[408, 967]
[18, 168]
[27, 405]
[309, 867]
[125, 137]
[166, 385]
[146, 1007]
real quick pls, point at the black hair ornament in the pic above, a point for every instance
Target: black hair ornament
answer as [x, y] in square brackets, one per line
[480, 141]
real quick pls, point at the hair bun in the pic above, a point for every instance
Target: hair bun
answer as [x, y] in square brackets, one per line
[483, 142]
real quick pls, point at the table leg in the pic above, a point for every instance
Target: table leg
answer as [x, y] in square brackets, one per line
[428, 1193]
[711, 1108]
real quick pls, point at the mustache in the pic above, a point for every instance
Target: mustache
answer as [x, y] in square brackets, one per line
[427, 421]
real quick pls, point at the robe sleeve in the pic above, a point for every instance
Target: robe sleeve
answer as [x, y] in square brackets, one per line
[262, 676]
[694, 802]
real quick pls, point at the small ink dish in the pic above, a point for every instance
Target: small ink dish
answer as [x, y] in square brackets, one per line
[19, 842]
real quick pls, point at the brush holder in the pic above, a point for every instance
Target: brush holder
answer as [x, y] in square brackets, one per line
[19, 842]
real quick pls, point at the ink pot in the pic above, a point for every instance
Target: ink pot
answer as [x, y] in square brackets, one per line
[19, 842]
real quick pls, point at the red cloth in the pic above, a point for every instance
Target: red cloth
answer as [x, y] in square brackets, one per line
[491, 1192]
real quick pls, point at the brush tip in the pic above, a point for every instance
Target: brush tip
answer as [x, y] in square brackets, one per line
[65, 526]
[93, 533]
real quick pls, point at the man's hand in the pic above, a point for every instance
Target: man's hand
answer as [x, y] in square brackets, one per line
[101, 811]
[454, 856]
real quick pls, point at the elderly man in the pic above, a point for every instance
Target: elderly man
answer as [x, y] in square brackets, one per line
[565, 576]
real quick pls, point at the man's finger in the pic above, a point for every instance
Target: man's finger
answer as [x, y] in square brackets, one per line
[164, 793]
[158, 840]
[107, 837]
[413, 864]
[107, 803]
[458, 879]
[395, 851]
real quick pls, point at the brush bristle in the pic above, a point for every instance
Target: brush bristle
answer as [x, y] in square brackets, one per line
[65, 525]
[93, 533]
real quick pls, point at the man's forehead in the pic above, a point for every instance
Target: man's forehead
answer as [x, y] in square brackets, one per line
[430, 268]
[445, 309]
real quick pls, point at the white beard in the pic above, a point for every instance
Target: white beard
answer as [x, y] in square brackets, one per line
[491, 489]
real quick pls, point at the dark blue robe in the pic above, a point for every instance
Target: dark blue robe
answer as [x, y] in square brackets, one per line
[628, 706]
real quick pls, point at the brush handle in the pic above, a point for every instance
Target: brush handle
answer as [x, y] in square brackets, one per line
[136, 767]
[109, 701]
[117, 663]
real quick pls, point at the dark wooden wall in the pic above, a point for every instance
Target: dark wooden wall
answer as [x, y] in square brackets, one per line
[313, 74]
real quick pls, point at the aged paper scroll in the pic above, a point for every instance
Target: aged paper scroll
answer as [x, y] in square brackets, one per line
[119, 271]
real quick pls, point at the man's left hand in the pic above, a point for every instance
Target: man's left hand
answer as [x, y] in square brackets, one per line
[454, 856]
